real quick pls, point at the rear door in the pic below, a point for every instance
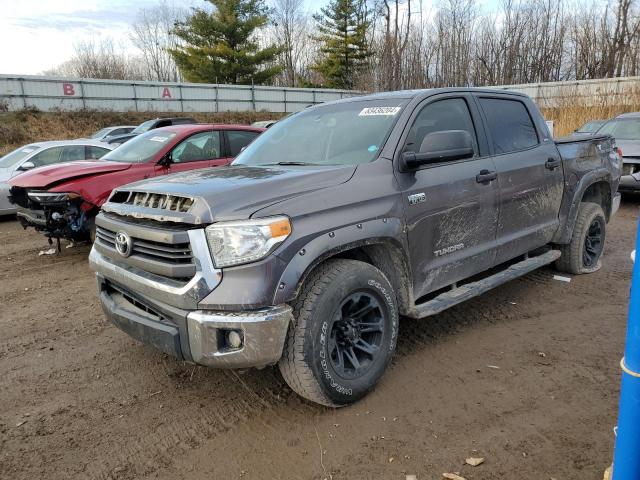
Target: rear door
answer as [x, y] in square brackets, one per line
[197, 151]
[237, 140]
[530, 176]
[450, 207]
[93, 152]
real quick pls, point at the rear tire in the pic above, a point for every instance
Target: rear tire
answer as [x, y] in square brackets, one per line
[583, 253]
[345, 331]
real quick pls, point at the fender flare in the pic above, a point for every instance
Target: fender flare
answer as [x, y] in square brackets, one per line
[565, 234]
[329, 244]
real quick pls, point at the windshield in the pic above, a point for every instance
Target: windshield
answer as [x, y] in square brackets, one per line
[336, 134]
[590, 127]
[143, 127]
[16, 156]
[100, 133]
[622, 128]
[140, 149]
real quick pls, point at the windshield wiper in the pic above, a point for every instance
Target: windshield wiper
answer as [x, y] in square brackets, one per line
[293, 163]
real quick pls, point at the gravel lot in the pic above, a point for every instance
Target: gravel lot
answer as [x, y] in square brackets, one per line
[80, 399]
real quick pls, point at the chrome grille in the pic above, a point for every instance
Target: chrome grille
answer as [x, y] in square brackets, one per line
[167, 259]
[161, 201]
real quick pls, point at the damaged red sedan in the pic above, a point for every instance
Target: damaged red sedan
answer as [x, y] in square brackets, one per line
[62, 200]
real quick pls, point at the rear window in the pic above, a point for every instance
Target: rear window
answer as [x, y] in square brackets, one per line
[622, 128]
[510, 125]
[238, 140]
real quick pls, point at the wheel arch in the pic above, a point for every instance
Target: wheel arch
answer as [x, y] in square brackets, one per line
[594, 187]
[385, 252]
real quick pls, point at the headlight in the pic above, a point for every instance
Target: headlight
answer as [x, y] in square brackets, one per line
[51, 197]
[234, 243]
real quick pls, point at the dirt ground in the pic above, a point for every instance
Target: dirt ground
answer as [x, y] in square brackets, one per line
[526, 376]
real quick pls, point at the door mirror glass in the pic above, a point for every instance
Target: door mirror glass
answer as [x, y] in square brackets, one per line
[441, 146]
[27, 166]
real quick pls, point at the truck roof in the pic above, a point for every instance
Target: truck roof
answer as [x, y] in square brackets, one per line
[406, 94]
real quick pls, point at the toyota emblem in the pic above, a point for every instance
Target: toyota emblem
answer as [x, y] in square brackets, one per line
[123, 244]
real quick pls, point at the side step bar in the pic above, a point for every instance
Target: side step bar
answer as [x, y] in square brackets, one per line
[470, 290]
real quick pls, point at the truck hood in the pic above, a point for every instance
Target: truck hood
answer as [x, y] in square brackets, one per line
[227, 193]
[44, 177]
[630, 148]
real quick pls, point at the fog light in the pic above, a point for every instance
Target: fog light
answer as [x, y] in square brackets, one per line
[234, 339]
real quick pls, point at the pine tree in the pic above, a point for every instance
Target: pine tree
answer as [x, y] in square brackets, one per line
[220, 46]
[343, 26]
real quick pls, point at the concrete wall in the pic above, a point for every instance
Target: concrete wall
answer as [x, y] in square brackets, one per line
[608, 91]
[52, 93]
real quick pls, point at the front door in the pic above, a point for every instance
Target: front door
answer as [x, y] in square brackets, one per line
[450, 207]
[530, 177]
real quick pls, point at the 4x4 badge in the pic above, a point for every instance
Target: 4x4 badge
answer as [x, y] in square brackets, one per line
[417, 198]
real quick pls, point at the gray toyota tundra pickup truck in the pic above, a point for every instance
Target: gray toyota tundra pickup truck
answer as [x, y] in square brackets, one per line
[343, 217]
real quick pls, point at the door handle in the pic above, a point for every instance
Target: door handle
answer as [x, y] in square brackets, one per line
[486, 176]
[552, 163]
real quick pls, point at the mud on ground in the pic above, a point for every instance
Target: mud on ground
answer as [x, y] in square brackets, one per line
[80, 399]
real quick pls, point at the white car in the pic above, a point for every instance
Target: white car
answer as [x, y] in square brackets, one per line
[40, 154]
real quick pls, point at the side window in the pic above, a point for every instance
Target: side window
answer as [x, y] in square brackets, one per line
[47, 157]
[239, 139]
[119, 131]
[510, 125]
[93, 152]
[72, 153]
[447, 114]
[202, 146]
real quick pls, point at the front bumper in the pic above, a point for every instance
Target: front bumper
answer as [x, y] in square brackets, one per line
[6, 208]
[32, 218]
[198, 336]
[629, 183]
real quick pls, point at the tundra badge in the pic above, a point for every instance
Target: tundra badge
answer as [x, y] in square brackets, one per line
[417, 198]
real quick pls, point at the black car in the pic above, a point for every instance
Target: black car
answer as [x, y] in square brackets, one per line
[149, 125]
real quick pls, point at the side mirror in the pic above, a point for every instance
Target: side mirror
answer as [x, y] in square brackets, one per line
[166, 160]
[27, 166]
[442, 146]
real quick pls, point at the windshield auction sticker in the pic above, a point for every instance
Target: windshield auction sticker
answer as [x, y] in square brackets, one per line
[159, 139]
[371, 111]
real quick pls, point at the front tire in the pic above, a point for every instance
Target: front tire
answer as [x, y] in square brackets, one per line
[345, 332]
[583, 253]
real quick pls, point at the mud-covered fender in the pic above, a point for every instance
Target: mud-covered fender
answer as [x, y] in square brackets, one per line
[564, 234]
[326, 245]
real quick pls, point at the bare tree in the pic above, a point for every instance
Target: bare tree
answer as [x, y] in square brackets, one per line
[152, 34]
[396, 15]
[100, 60]
[291, 31]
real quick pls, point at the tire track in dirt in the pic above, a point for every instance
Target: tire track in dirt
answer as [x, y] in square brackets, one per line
[102, 406]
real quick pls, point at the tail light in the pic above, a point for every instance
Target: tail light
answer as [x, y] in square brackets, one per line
[619, 151]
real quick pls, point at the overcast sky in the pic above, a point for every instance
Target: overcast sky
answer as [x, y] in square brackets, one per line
[37, 35]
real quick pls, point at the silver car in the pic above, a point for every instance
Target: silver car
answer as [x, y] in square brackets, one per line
[625, 129]
[40, 154]
[103, 134]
